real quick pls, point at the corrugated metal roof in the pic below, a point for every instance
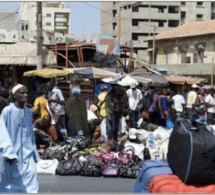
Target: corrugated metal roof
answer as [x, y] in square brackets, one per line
[187, 30]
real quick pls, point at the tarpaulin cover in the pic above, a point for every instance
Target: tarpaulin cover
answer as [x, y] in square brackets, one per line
[24, 54]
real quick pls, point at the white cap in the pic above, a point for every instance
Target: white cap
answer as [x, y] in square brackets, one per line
[133, 85]
[194, 86]
[132, 133]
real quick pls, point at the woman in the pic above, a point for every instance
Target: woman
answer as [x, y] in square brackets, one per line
[39, 108]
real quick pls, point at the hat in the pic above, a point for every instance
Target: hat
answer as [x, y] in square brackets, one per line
[194, 86]
[76, 90]
[104, 87]
[133, 85]
[132, 133]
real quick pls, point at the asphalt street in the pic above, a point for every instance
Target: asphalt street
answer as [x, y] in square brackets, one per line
[80, 184]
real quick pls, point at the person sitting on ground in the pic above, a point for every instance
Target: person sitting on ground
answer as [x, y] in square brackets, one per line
[45, 132]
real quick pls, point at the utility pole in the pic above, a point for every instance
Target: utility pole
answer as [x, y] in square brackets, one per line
[118, 31]
[39, 36]
[153, 54]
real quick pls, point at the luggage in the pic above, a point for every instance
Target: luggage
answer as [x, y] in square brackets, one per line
[47, 167]
[191, 152]
[172, 184]
[149, 169]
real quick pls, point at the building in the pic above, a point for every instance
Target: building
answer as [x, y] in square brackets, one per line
[188, 49]
[55, 16]
[137, 22]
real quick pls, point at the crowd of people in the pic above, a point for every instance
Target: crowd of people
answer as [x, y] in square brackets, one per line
[51, 119]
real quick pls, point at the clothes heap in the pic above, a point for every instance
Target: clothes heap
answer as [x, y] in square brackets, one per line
[189, 167]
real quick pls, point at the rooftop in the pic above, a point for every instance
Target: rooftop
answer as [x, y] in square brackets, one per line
[188, 30]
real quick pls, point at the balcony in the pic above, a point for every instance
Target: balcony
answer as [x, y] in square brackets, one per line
[61, 19]
[61, 27]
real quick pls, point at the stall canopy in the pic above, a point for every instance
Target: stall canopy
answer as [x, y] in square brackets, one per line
[91, 72]
[47, 73]
[157, 80]
[181, 80]
[24, 54]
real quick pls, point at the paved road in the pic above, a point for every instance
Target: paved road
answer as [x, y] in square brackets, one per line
[80, 184]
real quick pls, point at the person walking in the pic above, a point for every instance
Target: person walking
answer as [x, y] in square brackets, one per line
[179, 103]
[18, 151]
[134, 96]
[210, 103]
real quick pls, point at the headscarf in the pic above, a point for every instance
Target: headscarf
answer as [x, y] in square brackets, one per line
[76, 90]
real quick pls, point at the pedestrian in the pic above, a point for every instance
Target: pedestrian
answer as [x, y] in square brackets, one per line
[45, 132]
[17, 146]
[57, 102]
[76, 114]
[105, 126]
[210, 103]
[179, 103]
[134, 96]
[200, 108]
[191, 101]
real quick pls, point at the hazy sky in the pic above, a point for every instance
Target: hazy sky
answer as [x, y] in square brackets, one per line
[85, 20]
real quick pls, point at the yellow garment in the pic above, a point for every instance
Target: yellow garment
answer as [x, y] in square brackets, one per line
[191, 99]
[42, 101]
[101, 98]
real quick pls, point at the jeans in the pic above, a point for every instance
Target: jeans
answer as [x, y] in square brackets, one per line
[133, 117]
[104, 128]
[115, 118]
[61, 124]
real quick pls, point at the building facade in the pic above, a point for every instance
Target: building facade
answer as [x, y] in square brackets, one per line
[55, 16]
[137, 22]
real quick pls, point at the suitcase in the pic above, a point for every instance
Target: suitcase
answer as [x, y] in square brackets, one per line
[149, 169]
[172, 184]
[191, 152]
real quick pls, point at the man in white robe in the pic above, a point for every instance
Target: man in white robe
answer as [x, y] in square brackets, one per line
[18, 152]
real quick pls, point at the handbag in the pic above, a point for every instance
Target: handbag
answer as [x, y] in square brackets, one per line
[69, 167]
[47, 167]
[124, 156]
[112, 168]
[91, 170]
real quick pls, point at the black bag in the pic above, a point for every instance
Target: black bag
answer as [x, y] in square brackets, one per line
[132, 169]
[191, 152]
[91, 170]
[69, 167]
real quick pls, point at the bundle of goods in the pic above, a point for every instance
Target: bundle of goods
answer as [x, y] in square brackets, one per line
[191, 162]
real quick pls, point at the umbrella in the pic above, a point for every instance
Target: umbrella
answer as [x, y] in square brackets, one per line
[126, 81]
[91, 72]
[47, 73]
[181, 80]
[157, 79]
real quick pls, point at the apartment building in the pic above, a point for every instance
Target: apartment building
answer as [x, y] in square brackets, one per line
[55, 16]
[137, 22]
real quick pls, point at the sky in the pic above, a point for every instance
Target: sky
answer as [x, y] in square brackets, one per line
[84, 19]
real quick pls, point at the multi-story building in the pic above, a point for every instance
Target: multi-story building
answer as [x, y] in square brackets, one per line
[55, 16]
[137, 22]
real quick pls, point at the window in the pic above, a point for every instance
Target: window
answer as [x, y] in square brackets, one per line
[199, 17]
[48, 15]
[114, 13]
[173, 23]
[183, 3]
[48, 23]
[114, 26]
[199, 4]
[26, 27]
[59, 24]
[135, 9]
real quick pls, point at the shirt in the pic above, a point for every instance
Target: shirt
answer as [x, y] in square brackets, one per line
[101, 103]
[178, 102]
[191, 99]
[134, 96]
[56, 94]
[155, 98]
[210, 100]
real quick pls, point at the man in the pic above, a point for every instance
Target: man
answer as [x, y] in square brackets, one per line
[17, 146]
[76, 114]
[44, 131]
[134, 96]
[210, 103]
[179, 103]
[191, 100]
[57, 104]
[104, 124]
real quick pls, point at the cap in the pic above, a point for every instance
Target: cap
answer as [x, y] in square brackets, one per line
[133, 85]
[194, 86]
[132, 133]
